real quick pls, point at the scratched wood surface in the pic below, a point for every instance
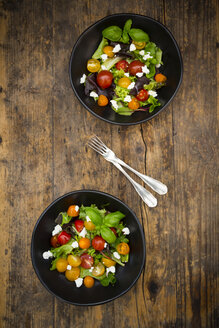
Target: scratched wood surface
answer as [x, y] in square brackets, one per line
[43, 130]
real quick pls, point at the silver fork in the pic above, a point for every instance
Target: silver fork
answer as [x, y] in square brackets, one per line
[96, 144]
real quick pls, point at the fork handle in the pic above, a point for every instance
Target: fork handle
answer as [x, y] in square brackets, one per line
[145, 195]
[154, 184]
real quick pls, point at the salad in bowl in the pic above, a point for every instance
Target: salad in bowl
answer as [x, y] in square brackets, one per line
[87, 243]
[124, 71]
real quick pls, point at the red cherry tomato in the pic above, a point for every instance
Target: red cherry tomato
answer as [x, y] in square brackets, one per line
[135, 67]
[142, 95]
[104, 79]
[122, 64]
[79, 225]
[114, 231]
[98, 243]
[63, 238]
[54, 241]
[86, 261]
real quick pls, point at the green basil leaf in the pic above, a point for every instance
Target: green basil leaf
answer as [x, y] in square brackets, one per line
[94, 215]
[112, 33]
[138, 35]
[126, 29]
[107, 234]
[112, 219]
[97, 54]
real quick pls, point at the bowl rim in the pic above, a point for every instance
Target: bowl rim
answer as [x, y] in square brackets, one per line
[117, 15]
[100, 193]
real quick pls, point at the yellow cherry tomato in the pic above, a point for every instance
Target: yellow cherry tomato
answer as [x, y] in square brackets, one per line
[123, 248]
[89, 225]
[124, 82]
[98, 270]
[88, 281]
[139, 45]
[107, 262]
[72, 274]
[74, 260]
[61, 265]
[108, 50]
[93, 65]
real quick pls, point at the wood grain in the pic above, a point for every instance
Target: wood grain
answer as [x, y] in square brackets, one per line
[43, 131]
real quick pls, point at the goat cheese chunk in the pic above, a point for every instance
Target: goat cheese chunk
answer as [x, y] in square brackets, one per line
[83, 79]
[128, 98]
[68, 267]
[147, 56]
[87, 218]
[139, 74]
[110, 269]
[56, 230]
[126, 231]
[114, 104]
[152, 93]
[116, 255]
[104, 57]
[83, 232]
[76, 208]
[142, 52]
[75, 244]
[117, 48]
[93, 94]
[47, 255]
[145, 69]
[131, 85]
[79, 282]
[132, 47]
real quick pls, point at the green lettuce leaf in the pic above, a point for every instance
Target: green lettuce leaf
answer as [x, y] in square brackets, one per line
[97, 54]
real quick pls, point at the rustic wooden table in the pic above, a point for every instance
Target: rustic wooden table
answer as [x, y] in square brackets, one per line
[43, 129]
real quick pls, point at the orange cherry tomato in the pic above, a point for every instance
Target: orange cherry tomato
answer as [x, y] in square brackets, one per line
[102, 100]
[73, 210]
[124, 82]
[160, 78]
[108, 50]
[88, 281]
[134, 104]
[84, 243]
[123, 248]
[72, 274]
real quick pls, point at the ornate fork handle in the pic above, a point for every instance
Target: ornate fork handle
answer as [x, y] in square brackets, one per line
[154, 184]
[145, 195]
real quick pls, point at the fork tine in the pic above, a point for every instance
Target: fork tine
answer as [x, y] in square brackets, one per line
[96, 149]
[100, 142]
[93, 143]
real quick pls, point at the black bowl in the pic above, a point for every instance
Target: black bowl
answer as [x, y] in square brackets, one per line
[87, 44]
[55, 282]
